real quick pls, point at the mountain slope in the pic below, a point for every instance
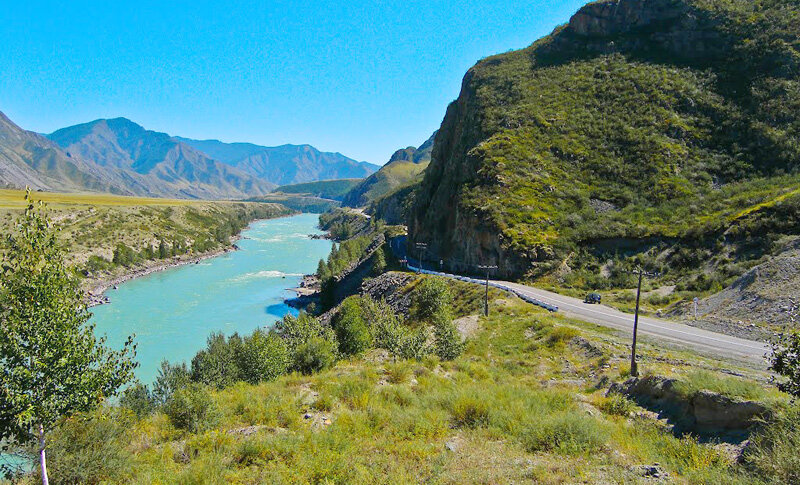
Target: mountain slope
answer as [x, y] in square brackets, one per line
[155, 164]
[644, 132]
[285, 164]
[29, 159]
[405, 166]
[326, 189]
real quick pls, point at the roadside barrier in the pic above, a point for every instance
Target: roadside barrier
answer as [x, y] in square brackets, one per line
[529, 299]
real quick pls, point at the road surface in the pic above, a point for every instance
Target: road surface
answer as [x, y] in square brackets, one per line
[677, 333]
[712, 343]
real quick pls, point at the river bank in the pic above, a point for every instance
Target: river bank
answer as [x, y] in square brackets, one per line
[173, 311]
[95, 288]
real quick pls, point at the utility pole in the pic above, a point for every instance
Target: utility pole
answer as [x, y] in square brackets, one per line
[641, 273]
[421, 246]
[486, 298]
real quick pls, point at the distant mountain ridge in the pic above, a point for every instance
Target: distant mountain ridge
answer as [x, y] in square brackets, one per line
[153, 163]
[285, 164]
[119, 156]
[30, 159]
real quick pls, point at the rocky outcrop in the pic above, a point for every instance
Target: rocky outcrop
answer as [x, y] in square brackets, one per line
[703, 412]
[768, 293]
[544, 145]
[671, 27]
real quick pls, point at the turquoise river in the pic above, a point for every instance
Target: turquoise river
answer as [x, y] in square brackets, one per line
[172, 312]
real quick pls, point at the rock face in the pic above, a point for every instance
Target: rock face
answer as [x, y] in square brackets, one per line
[671, 26]
[702, 412]
[595, 132]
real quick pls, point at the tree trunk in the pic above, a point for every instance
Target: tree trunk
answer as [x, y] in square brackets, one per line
[42, 456]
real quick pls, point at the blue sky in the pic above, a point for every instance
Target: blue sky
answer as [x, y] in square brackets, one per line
[361, 78]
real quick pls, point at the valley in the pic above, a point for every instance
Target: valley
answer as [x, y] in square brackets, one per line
[588, 273]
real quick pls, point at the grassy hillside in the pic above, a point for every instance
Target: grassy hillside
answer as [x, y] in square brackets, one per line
[325, 189]
[662, 133]
[522, 404]
[406, 166]
[302, 203]
[108, 235]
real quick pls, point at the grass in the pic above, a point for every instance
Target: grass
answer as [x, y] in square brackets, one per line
[513, 408]
[565, 158]
[14, 199]
[107, 235]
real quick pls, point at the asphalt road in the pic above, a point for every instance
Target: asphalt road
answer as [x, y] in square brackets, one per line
[677, 333]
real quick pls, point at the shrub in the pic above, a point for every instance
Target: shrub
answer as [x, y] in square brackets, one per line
[398, 373]
[447, 339]
[785, 360]
[314, 355]
[138, 399]
[351, 330]
[431, 298]
[311, 346]
[262, 356]
[192, 409]
[216, 365]
[170, 378]
[568, 433]
[469, 411]
[386, 327]
[414, 344]
[617, 404]
[90, 449]
[561, 335]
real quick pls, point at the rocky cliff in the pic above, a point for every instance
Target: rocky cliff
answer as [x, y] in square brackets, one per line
[662, 123]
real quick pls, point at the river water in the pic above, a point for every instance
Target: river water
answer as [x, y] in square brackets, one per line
[172, 312]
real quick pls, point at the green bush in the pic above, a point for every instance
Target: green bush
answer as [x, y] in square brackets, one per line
[352, 332]
[413, 344]
[262, 356]
[561, 335]
[431, 298]
[447, 339]
[567, 433]
[216, 365]
[311, 346]
[469, 411]
[90, 449]
[192, 409]
[315, 355]
[617, 404]
[138, 399]
[170, 378]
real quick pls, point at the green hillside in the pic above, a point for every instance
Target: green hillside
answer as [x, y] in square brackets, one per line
[325, 189]
[663, 133]
[404, 167]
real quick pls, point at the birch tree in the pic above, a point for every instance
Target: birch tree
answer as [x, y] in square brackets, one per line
[52, 365]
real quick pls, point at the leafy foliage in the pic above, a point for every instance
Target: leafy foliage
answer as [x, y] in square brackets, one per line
[564, 149]
[53, 365]
[352, 332]
[785, 357]
[192, 408]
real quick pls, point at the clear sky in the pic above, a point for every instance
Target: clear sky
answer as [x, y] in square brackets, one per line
[358, 77]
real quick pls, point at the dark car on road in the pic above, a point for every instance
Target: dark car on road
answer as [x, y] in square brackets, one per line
[592, 298]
